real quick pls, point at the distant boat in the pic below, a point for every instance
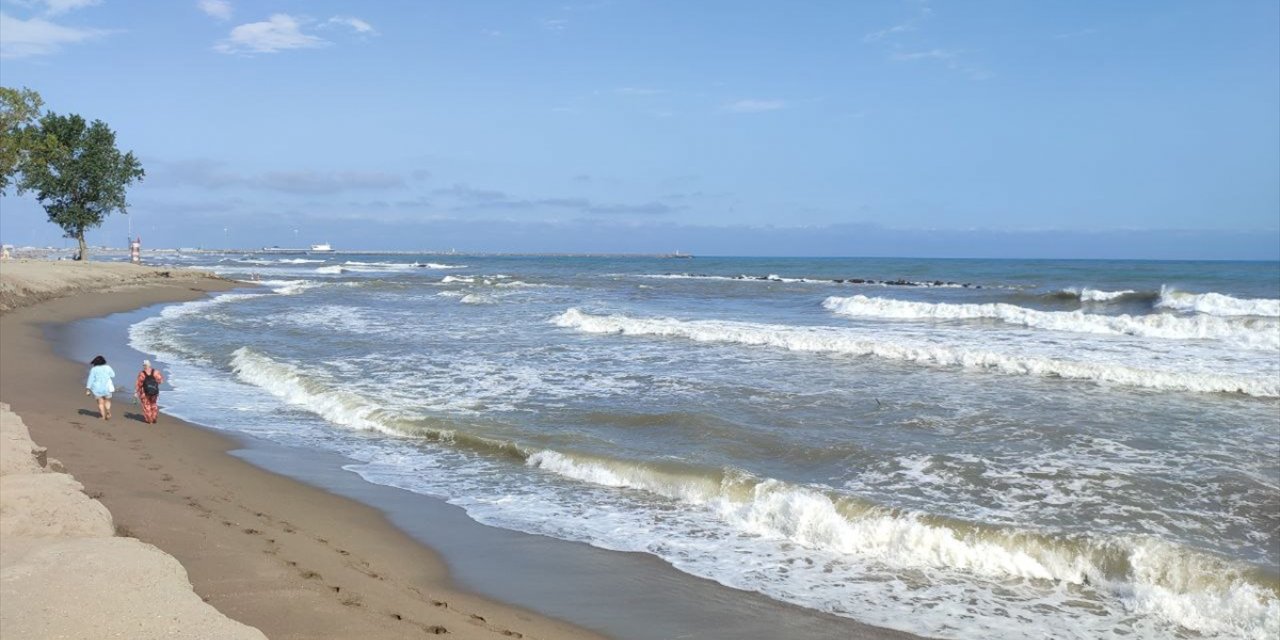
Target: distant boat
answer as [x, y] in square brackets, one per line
[323, 247]
[678, 254]
[275, 249]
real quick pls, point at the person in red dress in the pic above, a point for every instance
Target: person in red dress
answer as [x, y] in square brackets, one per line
[148, 390]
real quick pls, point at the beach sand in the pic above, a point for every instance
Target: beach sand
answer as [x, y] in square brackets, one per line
[291, 560]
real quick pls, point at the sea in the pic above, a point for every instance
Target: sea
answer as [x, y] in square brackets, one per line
[954, 448]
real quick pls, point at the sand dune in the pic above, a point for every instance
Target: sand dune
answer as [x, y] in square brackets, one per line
[64, 573]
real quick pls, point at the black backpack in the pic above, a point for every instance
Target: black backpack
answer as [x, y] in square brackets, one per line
[150, 386]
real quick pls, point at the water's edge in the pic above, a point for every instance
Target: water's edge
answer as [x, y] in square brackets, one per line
[624, 595]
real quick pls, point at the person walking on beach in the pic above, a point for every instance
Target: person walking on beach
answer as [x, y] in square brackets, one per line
[101, 385]
[148, 391]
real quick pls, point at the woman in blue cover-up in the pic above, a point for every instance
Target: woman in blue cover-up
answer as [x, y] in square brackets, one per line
[100, 385]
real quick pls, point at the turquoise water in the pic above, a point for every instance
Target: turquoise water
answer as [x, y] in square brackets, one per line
[950, 447]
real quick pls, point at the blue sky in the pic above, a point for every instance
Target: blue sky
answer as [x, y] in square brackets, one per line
[987, 129]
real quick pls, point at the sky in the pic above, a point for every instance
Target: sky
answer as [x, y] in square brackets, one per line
[883, 128]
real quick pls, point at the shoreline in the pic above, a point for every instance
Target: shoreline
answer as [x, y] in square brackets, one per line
[287, 568]
[293, 560]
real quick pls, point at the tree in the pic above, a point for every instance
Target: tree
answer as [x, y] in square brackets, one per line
[19, 109]
[78, 174]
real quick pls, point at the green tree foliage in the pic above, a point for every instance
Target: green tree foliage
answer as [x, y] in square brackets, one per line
[19, 109]
[78, 174]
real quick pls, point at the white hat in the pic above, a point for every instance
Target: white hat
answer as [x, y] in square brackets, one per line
[146, 363]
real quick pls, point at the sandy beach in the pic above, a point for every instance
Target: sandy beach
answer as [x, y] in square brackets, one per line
[289, 559]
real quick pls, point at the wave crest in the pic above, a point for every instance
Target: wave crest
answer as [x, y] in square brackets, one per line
[849, 342]
[1217, 304]
[1189, 588]
[1248, 333]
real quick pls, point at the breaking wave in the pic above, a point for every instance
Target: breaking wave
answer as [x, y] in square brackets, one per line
[855, 343]
[297, 387]
[1254, 333]
[1217, 304]
[1188, 588]
[1110, 578]
[1085, 294]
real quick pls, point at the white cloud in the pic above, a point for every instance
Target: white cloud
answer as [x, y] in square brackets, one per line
[57, 7]
[951, 58]
[36, 37]
[910, 25]
[220, 9]
[359, 25]
[755, 106]
[279, 33]
[638, 91]
[884, 33]
[555, 24]
[1076, 34]
[932, 54]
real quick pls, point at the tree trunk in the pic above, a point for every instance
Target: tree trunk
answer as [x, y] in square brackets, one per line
[84, 248]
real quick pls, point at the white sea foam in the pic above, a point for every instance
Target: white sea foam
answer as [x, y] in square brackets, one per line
[332, 317]
[1086, 294]
[289, 287]
[377, 267]
[1187, 588]
[298, 261]
[1248, 333]
[152, 336]
[437, 265]
[332, 269]
[856, 343]
[1217, 304]
[499, 280]
[286, 382]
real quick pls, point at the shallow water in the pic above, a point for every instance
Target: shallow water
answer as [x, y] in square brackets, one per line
[946, 447]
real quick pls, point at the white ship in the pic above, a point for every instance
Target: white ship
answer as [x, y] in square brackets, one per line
[323, 247]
